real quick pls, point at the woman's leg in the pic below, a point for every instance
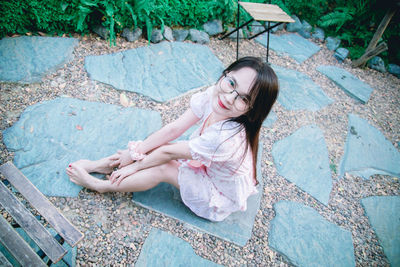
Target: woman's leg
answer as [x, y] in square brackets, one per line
[140, 181]
[98, 166]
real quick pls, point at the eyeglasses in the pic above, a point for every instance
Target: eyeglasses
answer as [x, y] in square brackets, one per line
[228, 85]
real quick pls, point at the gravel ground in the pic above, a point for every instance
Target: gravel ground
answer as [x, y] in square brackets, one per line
[115, 228]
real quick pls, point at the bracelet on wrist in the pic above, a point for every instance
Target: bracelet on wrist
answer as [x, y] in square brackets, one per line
[135, 155]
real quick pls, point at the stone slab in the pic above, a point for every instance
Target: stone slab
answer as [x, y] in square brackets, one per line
[50, 135]
[384, 215]
[347, 82]
[367, 151]
[305, 238]
[270, 120]
[69, 260]
[236, 228]
[28, 59]
[164, 249]
[303, 159]
[299, 92]
[161, 71]
[293, 45]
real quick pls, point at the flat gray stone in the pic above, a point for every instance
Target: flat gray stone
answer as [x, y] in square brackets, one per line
[367, 151]
[377, 63]
[394, 69]
[332, 43]
[306, 26]
[319, 34]
[294, 26]
[132, 35]
[270, 120]
[164, 249]
[291, 44]
[236, 228]
[384, 216]
[168, 34]
[241, 31]
[69, 260]
[213, 27]
[162, 71]
[305, 30]
[156, 36]
[256, 27]
[302, 158]
[304, 33]
[28, 59]
[341, 54]
[280, 27]
[307, 239]
[347, 82]
[299, 92]
[180, 34]
[50, 135]
[199, 36]
[101, 31]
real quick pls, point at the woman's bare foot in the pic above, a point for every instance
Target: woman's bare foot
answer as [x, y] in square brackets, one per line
[99, 166]
[78, 175]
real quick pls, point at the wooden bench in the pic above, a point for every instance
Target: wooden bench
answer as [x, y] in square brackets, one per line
[13, 242]
[259, 12]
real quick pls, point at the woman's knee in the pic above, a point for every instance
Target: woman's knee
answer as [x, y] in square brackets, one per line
[169, 172]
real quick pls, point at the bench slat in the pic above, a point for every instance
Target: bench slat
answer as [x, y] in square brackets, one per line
[64, 227]
[266, 12]
[4, 261]
[21, 251]
[31, 225]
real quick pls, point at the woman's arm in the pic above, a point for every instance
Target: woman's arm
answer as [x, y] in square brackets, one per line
[166, 153]
[169, 132]
[159, 156]
[166, 134]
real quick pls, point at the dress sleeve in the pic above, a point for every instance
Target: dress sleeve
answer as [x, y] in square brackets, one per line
[199, 101]
[213, 146]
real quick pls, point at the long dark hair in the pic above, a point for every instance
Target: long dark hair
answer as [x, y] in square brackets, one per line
[263, 95]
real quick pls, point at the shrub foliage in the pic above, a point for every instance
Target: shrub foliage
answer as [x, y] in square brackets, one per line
[353, 21]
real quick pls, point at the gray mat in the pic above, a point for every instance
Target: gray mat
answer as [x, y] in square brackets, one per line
[270, 120]
[28, 59]
[302, 158]
[50, 135]
[307, 239]
[293, 45]
[367, 151]
[299, 92]
[384, 215]
[347, 82]
[162, 71]
[236, 228]
[164, 249]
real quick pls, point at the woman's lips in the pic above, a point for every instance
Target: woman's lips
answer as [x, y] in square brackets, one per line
[221, 105]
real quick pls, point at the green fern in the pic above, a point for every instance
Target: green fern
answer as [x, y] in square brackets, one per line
[337, 18]
[134, 17]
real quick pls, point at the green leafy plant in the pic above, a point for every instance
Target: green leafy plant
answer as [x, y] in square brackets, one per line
[353, 21]
[337, 18]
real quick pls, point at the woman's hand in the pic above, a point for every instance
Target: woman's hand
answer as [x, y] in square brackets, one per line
[121, 174]
[121, 159]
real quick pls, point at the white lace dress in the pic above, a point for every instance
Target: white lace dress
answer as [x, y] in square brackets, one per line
[219, 180]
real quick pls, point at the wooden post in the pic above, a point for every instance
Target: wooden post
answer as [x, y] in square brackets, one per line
[369, 54]
[375, 39]
[381, 29]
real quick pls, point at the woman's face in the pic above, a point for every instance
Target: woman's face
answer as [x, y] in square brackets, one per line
[231, 93]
